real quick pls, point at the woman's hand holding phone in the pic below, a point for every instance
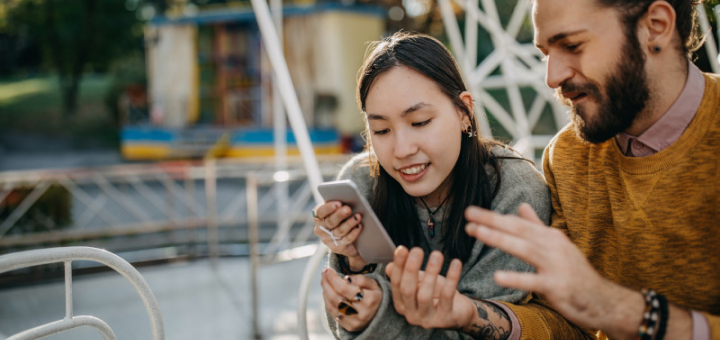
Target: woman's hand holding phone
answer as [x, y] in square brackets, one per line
[338, 229]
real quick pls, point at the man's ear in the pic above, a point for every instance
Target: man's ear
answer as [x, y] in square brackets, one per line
[467, 99]
[656, 29]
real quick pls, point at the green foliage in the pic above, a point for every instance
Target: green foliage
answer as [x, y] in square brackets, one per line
[73, 37]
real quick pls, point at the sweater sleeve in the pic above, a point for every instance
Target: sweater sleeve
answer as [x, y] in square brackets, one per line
[536, 318]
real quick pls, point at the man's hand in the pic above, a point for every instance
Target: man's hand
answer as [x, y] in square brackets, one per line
[563, 274]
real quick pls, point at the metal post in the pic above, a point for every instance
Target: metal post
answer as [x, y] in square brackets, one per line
[289, 97]
[253, 226]
[68, 291]
[279, 123]
[210, 193]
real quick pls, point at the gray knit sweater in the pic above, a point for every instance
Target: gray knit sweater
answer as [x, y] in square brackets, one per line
[520, 182]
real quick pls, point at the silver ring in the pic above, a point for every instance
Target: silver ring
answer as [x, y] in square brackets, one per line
[329, 232]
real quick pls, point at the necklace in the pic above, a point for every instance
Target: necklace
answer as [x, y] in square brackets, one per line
[431, 220]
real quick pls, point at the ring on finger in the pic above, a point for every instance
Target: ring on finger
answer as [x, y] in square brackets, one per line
[359, 295]
[316, 217]
[332, 236]
[346, 308]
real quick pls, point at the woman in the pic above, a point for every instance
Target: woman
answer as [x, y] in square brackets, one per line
[423, 167]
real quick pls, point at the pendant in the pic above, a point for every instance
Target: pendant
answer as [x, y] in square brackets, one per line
[431, 226]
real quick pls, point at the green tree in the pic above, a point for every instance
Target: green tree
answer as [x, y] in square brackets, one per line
[75, 36]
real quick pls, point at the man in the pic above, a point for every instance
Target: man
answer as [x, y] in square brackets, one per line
[634, 178]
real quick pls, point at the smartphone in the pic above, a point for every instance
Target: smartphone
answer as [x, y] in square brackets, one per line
[374, 244]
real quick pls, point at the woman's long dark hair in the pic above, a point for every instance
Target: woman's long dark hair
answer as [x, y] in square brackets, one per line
[393, 206]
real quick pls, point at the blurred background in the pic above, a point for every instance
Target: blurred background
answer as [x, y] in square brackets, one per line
[153, 129]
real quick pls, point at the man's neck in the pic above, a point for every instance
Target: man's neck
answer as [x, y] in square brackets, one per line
[664, 91]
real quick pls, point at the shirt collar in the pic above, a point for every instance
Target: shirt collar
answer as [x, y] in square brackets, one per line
[673, 123]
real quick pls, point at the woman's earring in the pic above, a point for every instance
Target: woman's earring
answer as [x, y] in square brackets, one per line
[471, 133]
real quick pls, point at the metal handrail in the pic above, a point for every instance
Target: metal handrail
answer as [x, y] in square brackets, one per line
[31, 258]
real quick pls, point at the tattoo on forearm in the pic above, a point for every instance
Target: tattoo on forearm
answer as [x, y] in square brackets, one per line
[486, 329]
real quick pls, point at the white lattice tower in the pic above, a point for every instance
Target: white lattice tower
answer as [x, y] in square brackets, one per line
[519, 66]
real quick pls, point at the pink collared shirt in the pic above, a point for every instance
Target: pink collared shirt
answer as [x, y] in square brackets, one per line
[659, 136]
[672, 124]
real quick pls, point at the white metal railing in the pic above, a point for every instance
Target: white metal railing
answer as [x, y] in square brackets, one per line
[181, 199]
[67, 255]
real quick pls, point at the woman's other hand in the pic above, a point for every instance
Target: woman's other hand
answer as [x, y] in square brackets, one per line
[352, 301]
[427, 299]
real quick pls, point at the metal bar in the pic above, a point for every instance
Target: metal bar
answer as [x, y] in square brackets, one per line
[300, 199]
[307, 278]
[187, 199]
[536, 111]
[85, 198]
[23, 207]
[43, 256]
[453, 30]
[68, 290]
[119, 197]
[64, 325]
[234, 207]
[148, 194]
[210, 196]
[710, 45]
[522, 7]
[254, 225]
[498, 112]
[292, 106]
[91, 212]
[471, 37]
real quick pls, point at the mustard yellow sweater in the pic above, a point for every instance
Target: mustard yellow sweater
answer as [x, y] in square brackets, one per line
[648, 222]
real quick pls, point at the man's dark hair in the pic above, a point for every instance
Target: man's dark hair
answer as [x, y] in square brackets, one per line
[685, 19]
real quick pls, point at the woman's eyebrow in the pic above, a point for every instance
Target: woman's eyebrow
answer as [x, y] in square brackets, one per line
[409, 110]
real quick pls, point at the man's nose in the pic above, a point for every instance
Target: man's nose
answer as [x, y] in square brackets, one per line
[558, 71]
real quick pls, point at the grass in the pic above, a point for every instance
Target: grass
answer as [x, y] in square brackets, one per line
[35, 106]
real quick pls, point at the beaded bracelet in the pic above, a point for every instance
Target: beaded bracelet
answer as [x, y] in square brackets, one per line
[662, 325]
[648, 326]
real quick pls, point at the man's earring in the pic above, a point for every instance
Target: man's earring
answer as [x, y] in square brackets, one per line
[656, 49]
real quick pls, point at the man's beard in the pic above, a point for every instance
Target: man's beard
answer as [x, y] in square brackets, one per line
[625, 96]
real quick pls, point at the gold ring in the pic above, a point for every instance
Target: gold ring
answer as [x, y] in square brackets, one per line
[319, 219]
[346, 308]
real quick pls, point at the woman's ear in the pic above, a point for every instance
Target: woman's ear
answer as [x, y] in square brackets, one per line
[467, 99]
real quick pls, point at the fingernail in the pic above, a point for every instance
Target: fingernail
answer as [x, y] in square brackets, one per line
[357, 217]
[348, 278]
[359, 296]
[434, 258]
[471, 228]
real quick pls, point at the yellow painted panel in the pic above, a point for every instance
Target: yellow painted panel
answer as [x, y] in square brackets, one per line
[269, 151]
[145, 152]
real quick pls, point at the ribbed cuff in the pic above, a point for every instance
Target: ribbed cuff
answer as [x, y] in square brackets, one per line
[701, 328]
[515, 332]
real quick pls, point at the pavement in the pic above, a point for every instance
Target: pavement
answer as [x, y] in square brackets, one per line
[197, 301]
